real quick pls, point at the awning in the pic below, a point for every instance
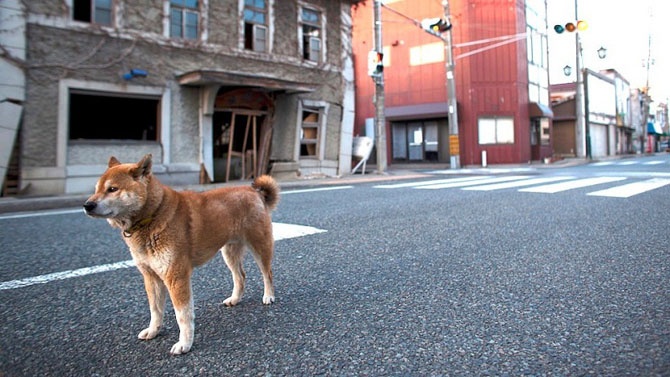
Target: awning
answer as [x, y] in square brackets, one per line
[208, 77]
[653, 128]
[538, 110]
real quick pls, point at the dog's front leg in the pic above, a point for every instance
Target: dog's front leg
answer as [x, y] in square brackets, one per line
[182, 300]
[156, 294]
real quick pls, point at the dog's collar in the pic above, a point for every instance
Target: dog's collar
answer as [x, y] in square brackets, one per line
[137, 226]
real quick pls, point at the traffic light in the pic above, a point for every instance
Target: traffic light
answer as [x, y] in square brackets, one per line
[571, 27]
[436, 25]
[375, 63]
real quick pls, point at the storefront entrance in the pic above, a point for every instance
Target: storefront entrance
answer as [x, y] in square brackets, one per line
[241, 134]
[415, 141]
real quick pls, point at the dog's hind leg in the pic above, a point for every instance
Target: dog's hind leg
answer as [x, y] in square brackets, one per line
[233, 254]
[262, 250]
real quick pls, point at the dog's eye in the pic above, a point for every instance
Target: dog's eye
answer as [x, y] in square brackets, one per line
[112, 189]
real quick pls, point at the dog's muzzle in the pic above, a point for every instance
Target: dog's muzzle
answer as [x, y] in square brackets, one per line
[90, 206]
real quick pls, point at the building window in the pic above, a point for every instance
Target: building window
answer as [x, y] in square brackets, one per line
[184, 19]
[93, 11]
[496, 130]
[312, 38]
[541, 131]
[106, 116]
[256, 25]
[310, 132]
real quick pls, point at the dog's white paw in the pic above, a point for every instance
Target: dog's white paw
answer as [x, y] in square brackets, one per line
[231, 301]
[180, 348]
[267, 300]
[148, 333]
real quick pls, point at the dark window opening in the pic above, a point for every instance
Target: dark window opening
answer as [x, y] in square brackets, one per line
[100, 117]
[255, 25]
[311, 35]
[94, 11]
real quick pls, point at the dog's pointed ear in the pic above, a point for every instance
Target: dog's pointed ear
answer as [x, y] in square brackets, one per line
[143, 167]
[113, 162]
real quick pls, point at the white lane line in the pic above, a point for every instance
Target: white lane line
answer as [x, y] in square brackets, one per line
[654, 162]
[624, 163]
[41, 213]
[603, 163]
[631, 189]
[426, 183]
[563, 186]
[316, 190]
[473, 183]
[280, 231]
[43, 279]
[526, 182]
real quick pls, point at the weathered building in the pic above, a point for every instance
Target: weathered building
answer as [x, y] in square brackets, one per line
[501, 78]
[609, 126]
[215, 90]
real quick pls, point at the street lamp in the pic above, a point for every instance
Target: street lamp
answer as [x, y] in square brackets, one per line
[567, 70]
[602, 52]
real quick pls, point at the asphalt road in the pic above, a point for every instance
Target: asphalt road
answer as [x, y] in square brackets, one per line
[404, 281]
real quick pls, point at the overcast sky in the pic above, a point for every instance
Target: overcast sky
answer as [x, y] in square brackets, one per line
[623, 27]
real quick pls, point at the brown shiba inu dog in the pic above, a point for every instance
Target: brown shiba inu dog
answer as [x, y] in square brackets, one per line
[169, 233]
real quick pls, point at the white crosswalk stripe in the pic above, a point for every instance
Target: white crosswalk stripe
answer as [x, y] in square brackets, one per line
[471, 183]
[433, 182]
[526, 182]
[579, 183]
[628, 163]
[544, 185]
[631, 189]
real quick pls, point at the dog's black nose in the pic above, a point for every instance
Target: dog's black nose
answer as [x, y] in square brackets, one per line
[90, 206]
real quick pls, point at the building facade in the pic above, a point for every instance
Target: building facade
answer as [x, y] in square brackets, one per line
[501, 76]
[608, 116]
[215, 90]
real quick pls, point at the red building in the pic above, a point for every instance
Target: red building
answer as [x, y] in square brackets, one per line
[501, 76]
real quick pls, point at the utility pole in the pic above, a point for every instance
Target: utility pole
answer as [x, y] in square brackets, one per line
[380, 121]
[452, 116]
[583, 138]
[646, 101]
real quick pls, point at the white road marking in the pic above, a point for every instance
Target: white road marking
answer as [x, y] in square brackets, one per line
[281, 231]
[654, 162]
[563, 186]
[316, 189]
[452, 183]
[624, 163]
[426, 183]
[525, 182]
[626, 191]
[41, 213]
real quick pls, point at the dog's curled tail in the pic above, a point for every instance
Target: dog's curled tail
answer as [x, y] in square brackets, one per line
[268, 189]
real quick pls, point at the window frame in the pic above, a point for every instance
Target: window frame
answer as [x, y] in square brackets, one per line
[184, 11]
[93, 11]
[307, 54]
[255, 28]
[496, 130]
[320, 108]
[109, 96]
